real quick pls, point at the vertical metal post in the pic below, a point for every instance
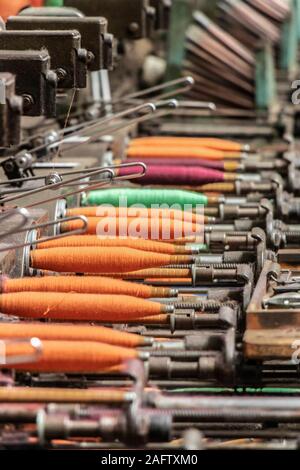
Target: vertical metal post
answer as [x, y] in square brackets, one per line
[265, 83]
[289, 41]
[181, 15]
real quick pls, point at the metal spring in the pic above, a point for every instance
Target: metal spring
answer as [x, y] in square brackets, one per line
[196, 306]
[220, 266]
[178, 266]
[207, 305]
[204, 265]
[198, 414]
[292, 236]
[189, 355]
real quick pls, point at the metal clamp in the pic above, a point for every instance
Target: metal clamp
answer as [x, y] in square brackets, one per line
[35, 81]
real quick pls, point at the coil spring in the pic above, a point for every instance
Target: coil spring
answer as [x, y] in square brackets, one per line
[204, 265]
[220, 266]
[178, 266]
[206, 305]
[292, 236]
[176, 354]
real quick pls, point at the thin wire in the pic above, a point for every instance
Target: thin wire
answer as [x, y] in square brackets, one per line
[64, 127]
[84, 172]
[59, 185]
[97, 134]
[91, 125]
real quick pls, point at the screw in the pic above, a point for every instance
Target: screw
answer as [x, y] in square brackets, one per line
[90, 57]
[134, 27]
[61, 74]
[9, 166]
[28, 101]
[53, 178]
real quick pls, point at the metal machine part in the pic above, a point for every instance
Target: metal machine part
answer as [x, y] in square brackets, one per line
[36, 83]
[144, 341]
[10, 112]
[93, 30]
[69, 63]
[132, 23]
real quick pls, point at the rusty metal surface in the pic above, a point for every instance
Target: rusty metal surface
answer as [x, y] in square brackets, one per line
[271, 332]
[274, 343]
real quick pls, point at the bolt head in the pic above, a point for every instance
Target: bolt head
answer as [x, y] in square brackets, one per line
[134, 27]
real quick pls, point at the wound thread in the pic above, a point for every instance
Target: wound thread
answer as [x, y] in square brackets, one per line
[70, 356]
[224, 145]
[98, 260]
[69, 332]
[81, 284]
[146, 196]
[135, 243]
[159, 229]
[77, 307]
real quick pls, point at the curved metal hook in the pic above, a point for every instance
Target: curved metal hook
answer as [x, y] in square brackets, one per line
[78, 231]
[59, 184]
[130, 176]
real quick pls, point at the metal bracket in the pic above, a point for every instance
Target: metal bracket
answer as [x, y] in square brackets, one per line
[162, 9]
[68, 62]
[18, 167]
[125, 22]
[10, 112]
[35, 82]
[93, 31]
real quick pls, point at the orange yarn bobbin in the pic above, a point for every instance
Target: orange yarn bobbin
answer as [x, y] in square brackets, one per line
[136, 212]
[81, 284]
[74, 307]
[135, 243]
[188, 142]
[70, 356]
[69, 332]
[100, 260]
[134, 227]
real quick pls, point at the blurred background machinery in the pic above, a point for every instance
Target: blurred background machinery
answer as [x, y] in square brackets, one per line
[149, 224]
